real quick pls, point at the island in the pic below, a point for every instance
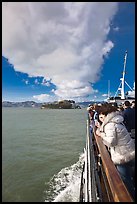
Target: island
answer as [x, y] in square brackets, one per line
[63, 104]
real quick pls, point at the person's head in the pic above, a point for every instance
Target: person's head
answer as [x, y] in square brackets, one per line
[120, 108]
[126, 104]
[101, 117]
[96, 107]
[104, 110]
[90, 108]
[133, 104]
[115, 104]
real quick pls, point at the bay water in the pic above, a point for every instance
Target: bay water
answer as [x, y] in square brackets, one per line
[42, 154]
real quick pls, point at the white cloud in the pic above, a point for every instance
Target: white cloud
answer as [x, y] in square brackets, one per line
[64, 41]
[36, 81]
[107, 48]
[116, 28]
[45, 82]
[52, 98]
[45, 98]
[104, 95]
[25, 81]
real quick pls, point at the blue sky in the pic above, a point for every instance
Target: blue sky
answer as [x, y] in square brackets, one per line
[66, 50]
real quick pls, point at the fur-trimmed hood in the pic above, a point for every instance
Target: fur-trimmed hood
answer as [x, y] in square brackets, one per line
[115, 117]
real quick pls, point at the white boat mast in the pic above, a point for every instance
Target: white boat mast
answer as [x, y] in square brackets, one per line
[122, 83]
[123, 78]
[108, 89]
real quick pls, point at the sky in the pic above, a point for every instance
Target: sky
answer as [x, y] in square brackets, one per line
[66, 50]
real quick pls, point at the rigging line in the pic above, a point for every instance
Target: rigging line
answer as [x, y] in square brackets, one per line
[128, 86]
[117, 89]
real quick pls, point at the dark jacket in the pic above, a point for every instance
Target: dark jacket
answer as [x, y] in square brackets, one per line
[129, 118]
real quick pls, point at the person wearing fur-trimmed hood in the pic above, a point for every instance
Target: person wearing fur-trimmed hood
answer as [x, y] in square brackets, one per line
[121, 146]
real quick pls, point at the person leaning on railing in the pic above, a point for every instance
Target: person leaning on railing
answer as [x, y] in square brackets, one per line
[121, 146]
[93, 115]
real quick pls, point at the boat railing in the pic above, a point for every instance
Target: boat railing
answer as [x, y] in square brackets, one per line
[100, 180]
[90, 190]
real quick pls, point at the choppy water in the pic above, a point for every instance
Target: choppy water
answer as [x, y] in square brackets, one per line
[42, 154]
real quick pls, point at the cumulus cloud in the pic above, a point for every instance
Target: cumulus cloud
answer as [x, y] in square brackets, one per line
[116, 29]
[36, 81]
[63, 41]
[104, 95]
[45, 97]
[25, 81]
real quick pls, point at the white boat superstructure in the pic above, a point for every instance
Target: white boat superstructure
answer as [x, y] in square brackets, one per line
[122, 96]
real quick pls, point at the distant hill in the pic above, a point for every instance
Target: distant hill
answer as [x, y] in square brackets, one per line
[64, 104]
[25, 104]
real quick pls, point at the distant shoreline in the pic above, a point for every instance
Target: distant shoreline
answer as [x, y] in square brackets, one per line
[33, 104]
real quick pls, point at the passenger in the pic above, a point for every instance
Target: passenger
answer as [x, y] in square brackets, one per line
[133, 104]
[91, 115]
[120, 109]
[129, 116]
[122, 147]
[115, 104]
[96, 115]
[91, 112]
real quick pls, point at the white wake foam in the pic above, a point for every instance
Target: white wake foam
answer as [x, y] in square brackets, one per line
[65, 186]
